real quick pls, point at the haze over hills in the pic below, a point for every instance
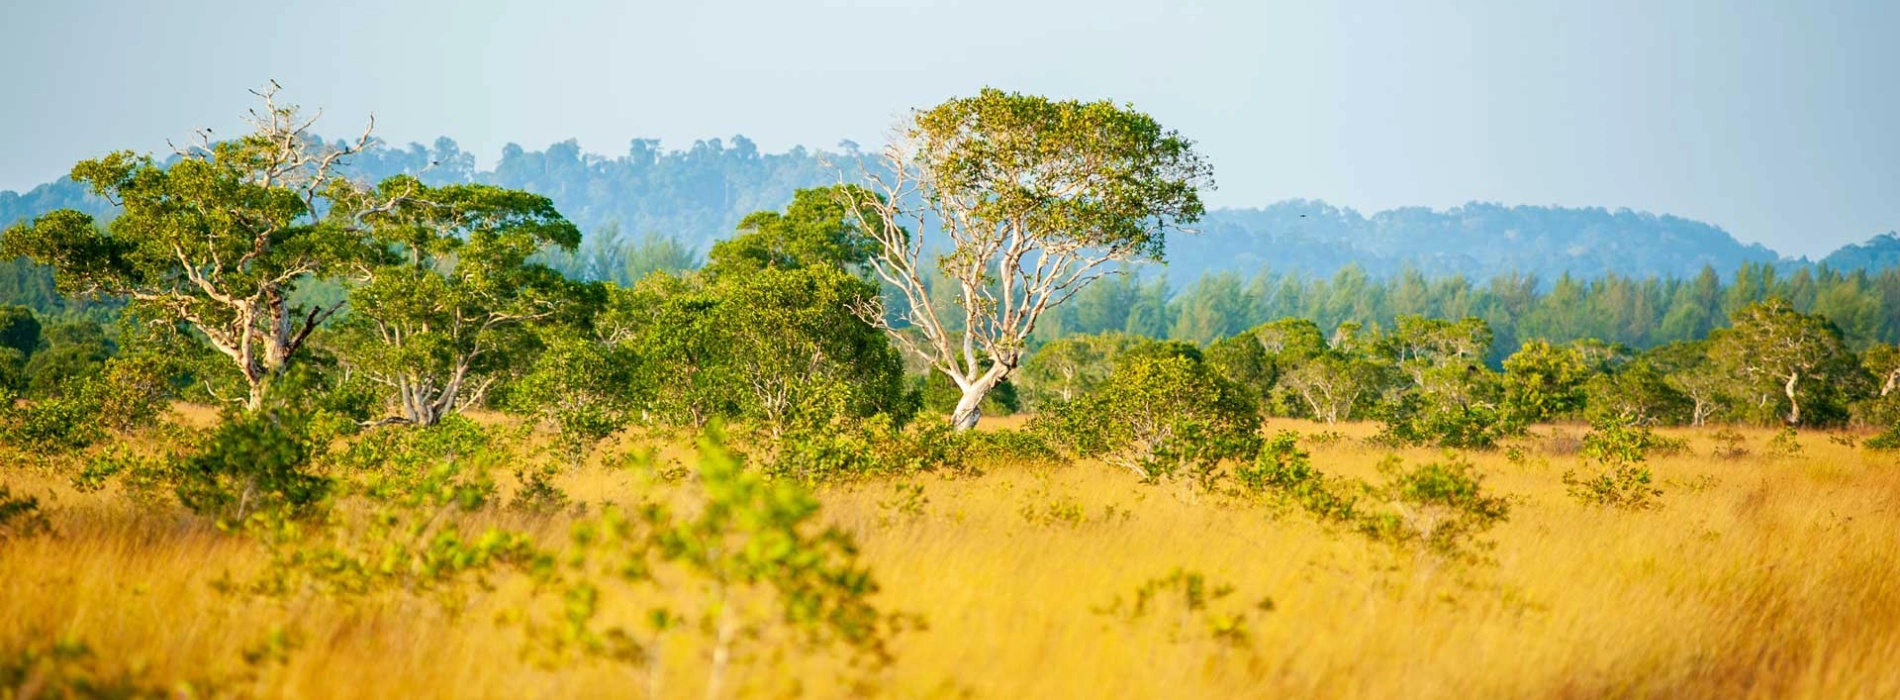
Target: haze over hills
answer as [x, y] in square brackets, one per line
[698, 195]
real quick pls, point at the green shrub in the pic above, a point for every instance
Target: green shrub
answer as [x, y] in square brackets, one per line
[1785, 444]
[764, 576]
[1284, 471]
[1440, 508]
[1888, 439]
[877, 447]
[409, 464]
[68, 668]
[49, 426]
[987, 449]
[1617, 445]
[253, 462]
[1414, 418]
[1729, 444]
[1159, 416]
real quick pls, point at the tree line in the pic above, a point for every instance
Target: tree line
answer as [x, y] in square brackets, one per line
[1637, 312]
[256, 273]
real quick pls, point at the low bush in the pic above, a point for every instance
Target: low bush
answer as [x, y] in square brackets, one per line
[253, 462]
[1617, 446]
[1439, 508]
[1159, 417]
[1285, 472]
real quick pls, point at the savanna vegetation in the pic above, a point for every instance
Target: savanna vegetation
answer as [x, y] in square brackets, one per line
[288, 431]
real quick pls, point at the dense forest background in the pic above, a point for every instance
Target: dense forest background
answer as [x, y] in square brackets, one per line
[1633, 278]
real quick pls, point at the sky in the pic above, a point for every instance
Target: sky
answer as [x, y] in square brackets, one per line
[1779, 122]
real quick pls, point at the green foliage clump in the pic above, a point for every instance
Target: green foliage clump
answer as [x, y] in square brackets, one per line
[452, 461]
[126, 393]
[1439, 508]
[408, 547]
[1888, 439]
[1729, 444]
[985, 449]
[1638, 390]
[258, 462]
[938, 394]
[878, 447]
[1282, 470]
[1159, 417]
[451, 297]
[764, 577]
[580, 386]
[1543, 382]
[1784, 366]
[1421, 419]
[1786, 444]
[1061, 370]
[1617, 445]
[411, 483]
[69, 668]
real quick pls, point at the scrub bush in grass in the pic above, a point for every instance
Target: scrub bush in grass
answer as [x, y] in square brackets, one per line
[1888, 439]
[761, 577]
[1617, 445]
[1284, 472]
[408, 465]
[69, 668]
[1440, 508]
[254, 462]
[413, 485]
[1160, 416]
[1197, 607]
[854, 449]
[126, 393]
[1419, 418]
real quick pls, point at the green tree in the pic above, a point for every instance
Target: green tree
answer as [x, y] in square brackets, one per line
[19, 329]
[1259, 358]
[1543, 382]
[1785, 360]
[1334, 386]
[220, 239]
[815, 229]
[1066, 368]
[1037, 199]
[73, 351]
[451, 304]
[769, 333]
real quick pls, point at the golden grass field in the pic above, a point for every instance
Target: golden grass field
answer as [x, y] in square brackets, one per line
[1761, 576]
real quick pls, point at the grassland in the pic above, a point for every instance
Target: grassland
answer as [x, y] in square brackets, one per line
[1764, 575]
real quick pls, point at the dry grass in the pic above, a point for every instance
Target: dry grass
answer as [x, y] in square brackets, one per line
[1760, 577]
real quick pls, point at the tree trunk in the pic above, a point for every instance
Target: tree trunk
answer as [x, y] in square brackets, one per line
[1794, 405]
[969, 407]
[259, 388]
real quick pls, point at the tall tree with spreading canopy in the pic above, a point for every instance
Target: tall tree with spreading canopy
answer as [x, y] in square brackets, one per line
[1036, 198]
[219, 239]
[1776, 353]
[454, 293]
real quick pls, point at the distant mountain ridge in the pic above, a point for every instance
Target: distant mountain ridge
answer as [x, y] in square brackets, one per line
[698, 194]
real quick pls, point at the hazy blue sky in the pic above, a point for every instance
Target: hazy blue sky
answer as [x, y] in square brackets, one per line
[1777, 121]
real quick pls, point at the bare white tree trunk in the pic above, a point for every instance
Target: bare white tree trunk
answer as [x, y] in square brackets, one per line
[1794, 404]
